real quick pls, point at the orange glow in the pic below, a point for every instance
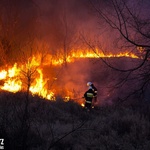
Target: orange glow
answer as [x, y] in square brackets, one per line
[67, 98]
[18, 76]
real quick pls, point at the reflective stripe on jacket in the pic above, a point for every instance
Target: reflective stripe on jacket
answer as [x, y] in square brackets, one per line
[88, 102]
[90, 95]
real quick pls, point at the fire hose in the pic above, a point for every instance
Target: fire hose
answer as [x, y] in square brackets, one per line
[82, 104]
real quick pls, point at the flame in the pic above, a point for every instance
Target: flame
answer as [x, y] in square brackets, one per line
[12, 85]
[12, 82]
[14, 71]
[3, 74]
[38, 87]
[82, 105]
[59, 60]
[14, 77]
[98, 54]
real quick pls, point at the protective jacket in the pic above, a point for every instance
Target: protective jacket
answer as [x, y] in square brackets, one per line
[88, 95]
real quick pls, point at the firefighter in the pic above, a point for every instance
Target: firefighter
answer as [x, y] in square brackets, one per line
[90, 84]
[88, 95]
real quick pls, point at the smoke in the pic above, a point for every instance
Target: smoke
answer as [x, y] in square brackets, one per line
[64, 20]
[25, 24]
[59, 24]
[55, 22]
[71, 80]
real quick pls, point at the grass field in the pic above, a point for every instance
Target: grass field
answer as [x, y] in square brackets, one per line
[59, 125]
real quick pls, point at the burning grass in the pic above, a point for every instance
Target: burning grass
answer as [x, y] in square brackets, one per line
[31, 75]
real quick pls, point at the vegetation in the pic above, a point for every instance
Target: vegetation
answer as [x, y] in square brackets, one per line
[60, 125]
[31, 123]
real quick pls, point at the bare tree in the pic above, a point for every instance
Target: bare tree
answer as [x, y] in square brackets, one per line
[129, 23]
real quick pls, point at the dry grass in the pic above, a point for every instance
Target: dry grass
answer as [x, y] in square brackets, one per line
[59, 125]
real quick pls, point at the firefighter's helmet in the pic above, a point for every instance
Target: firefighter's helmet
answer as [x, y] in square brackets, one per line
[89, 83]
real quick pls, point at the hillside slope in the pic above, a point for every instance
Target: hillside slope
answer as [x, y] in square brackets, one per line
[59, 125]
